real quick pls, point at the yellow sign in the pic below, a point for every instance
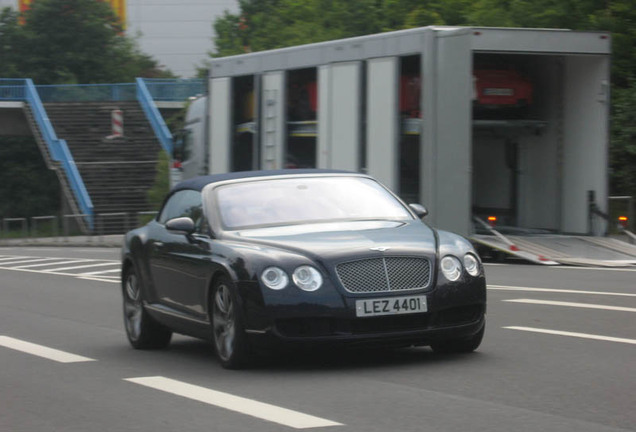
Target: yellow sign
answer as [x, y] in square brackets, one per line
[119, 7]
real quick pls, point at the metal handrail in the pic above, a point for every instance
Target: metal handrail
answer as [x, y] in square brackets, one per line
[154, 117]
[174, 90]
[87, 92]
[11, 89]
[59, 151]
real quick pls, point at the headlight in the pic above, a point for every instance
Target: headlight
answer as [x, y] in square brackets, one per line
[274, 278]
[471, 264]
[451, 267]
[307, 278]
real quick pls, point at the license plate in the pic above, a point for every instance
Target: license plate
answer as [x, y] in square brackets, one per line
[390, 306]
[498, 92]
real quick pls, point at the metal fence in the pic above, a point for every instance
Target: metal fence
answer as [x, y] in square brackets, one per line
[68, 225]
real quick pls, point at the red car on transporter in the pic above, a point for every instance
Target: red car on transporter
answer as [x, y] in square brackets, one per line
[501, 88]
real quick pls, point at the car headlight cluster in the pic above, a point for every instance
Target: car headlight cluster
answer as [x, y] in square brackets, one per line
[307, 278]
[451, 266]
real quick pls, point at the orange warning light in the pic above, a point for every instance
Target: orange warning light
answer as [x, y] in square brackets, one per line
[623, 221]
[492, 220]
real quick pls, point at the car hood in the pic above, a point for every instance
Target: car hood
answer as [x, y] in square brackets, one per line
[335, 241]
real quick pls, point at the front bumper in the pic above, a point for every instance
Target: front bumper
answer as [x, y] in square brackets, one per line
[393, 331]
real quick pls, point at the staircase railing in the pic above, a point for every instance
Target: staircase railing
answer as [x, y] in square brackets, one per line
[59, 151]
[154, 116]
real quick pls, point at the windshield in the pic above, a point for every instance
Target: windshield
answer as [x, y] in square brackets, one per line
[305, 200]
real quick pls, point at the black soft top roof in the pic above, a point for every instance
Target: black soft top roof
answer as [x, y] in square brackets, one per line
[198, 183]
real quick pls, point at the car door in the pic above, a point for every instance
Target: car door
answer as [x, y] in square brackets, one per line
[179, 263]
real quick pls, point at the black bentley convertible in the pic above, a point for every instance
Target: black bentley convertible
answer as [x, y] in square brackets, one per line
[258, 259]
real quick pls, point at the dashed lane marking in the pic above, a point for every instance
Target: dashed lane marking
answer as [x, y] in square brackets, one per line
[264, 411]
[574, 334]
[42, 351]
[570, 304]
[554, 290]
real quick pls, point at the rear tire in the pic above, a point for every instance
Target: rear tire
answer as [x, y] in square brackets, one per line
[142, 330]
[457, 346]
[228, 328]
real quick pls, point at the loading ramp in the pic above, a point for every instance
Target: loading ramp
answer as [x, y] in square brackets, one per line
[554, 249]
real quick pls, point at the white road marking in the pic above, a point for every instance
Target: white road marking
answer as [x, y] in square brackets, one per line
[42, 351]
[100, 279]
[564, 267]
[51, 263]
[573, 334]
[102, 272]
[569, 304]
[30, 260]
[82, 266]
[621, 269]
[11, 258]
[554, 290]
[264, 411]
[52, 272]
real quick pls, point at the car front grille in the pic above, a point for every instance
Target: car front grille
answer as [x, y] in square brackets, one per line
[384, 274]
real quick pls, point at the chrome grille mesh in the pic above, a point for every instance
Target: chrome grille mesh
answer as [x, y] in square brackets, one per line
[384, 274]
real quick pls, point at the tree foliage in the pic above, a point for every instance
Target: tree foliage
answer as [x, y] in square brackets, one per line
[28, 188]
[268, 24]
[68, 42]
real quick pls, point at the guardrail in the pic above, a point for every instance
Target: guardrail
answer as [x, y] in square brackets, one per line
[67, 225]
[59, 151]
[154, 117]
[174, 90]
[11, 89]
[87, 92]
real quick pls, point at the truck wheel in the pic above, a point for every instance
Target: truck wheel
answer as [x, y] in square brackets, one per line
[142, 330]
[463, 345]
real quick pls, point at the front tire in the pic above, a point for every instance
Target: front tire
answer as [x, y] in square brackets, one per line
[457, 346]
[228, 329]
[142, 330]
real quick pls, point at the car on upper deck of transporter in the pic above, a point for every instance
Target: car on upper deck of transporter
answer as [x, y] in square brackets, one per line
[257, 259]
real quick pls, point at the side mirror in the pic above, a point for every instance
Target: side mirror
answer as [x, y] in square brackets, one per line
[181, 225]
[419, 210]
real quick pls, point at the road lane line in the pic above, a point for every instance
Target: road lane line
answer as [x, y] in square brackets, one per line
[554, 290]
[573, 334]
[264, 411]
[101, 279]
[82, 266]
[42, 351]
[564, 267]
[23, 261]
[50, 264]
[11, 258]
[569, 304]
[102, 272]
[52, 272]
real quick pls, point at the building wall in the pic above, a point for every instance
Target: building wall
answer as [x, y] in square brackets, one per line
[178, 33]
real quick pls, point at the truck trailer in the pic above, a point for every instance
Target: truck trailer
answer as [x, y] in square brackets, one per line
[475, 123]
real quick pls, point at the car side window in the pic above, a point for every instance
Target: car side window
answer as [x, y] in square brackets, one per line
[186, 203]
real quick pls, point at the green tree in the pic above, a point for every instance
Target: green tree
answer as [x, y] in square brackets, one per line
[28, 188]
[71, 41]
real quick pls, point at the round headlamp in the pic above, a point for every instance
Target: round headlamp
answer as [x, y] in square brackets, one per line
[274, 278]
[307, 278]
[451, 267]
[471, 264]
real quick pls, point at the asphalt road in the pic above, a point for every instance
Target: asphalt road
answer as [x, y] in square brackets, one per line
[557, 359]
